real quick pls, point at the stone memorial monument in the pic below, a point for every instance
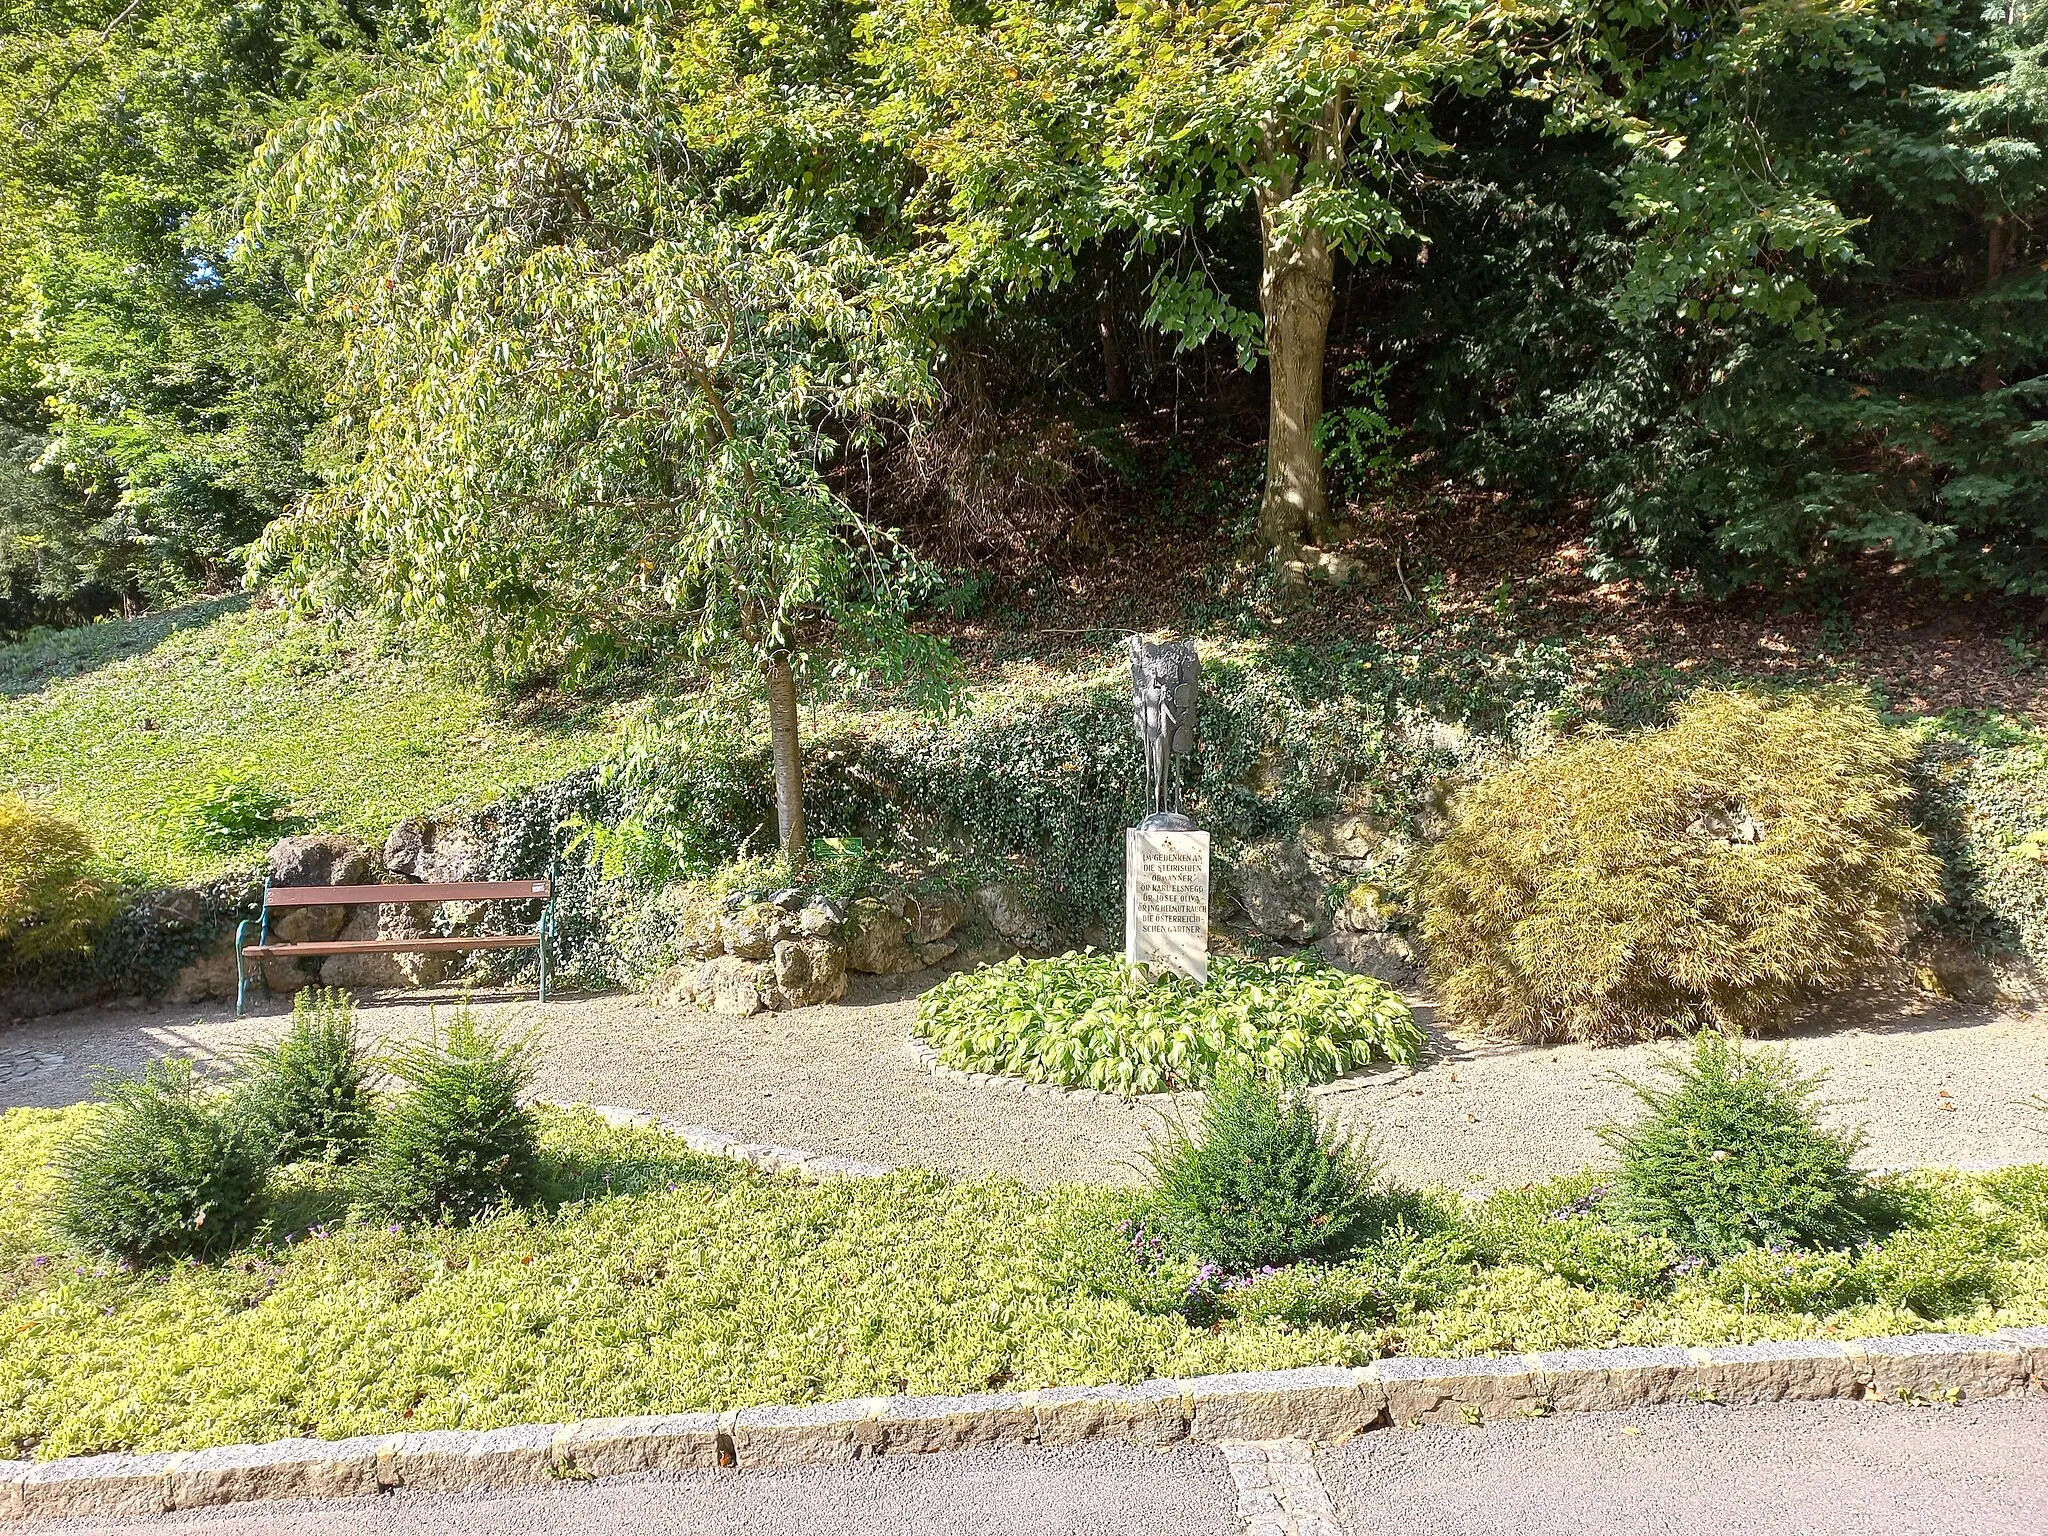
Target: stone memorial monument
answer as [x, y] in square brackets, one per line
[1166, 860]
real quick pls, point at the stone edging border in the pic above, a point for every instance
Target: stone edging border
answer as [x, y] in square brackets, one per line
[1327, 1404]
[927, 1057]
[767, 1156]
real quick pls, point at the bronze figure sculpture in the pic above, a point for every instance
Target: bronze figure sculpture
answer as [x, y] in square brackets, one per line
[1165, 681]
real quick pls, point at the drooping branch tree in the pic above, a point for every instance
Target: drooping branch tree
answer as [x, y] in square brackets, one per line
[586, 396]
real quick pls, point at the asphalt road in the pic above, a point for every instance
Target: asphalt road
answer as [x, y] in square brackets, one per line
[1800, 1469]
[1822, 1469]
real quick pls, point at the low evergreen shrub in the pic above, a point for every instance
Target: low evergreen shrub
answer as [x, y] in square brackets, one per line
[309, 1090]
[458, 1143]
[51, 902]
[1089, 1020]
[1753, 855]
[1731, 1153]
[168, 1166]
[1264, 1182]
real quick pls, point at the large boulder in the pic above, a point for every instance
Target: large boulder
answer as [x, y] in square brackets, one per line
[318, 859]
[752, 932]
[879, 941]
[1005, 908]
[804, 973]
[1384, 956]
[437, 850]
[1344, 845]
[728, 985]
[427, 968]
[210, 975]
[324, 859]
[1279, 891]
[934, 914]
[367, 973]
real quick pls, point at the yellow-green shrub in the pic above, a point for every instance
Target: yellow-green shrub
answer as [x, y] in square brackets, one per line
[1752, 855]
[50, 902]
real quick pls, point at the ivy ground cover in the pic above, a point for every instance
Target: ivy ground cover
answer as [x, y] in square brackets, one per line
[654, 1280]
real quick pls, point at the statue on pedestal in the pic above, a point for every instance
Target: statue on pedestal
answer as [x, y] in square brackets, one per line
[1165, 682]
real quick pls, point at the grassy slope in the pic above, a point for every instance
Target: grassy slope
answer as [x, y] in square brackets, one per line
[678, 1282]
[123, 723]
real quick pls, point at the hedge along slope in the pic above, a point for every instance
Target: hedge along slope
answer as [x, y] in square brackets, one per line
[1753, 855]
[1040, 789]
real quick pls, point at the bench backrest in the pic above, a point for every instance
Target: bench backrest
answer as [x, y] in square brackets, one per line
[405, 893]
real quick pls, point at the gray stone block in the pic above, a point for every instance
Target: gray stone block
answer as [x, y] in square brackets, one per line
[106, 1486]
[11, 1474]
[2033, 1348]
[1594, 1380]
[922, 1425]
[282, 1469]
[830, 1167]
[699, 1138]
[1799, 1370]
[1934, 1366]
[1155, 1413]
[823, 1432]
[444, 1460]
[1315, 1403]
[649, 1443]
[613, 1114]
[1459, 1391]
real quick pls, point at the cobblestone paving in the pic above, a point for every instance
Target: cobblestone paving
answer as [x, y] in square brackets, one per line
[19, 1066]
[1279, 1490]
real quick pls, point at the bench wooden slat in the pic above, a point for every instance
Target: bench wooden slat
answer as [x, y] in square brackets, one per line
[396, 946]
[405, 893]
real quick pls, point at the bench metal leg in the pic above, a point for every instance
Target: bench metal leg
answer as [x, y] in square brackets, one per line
[241, 968]
[545, 924]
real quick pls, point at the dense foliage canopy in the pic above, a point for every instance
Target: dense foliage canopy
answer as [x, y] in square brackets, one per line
[513, 290]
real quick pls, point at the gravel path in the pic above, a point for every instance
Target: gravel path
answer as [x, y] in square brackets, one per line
[1935, 1087]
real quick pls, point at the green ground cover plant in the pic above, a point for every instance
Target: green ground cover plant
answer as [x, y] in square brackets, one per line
[113, 722]
[1087, 1020]
[1748, 858]
[649, 1279]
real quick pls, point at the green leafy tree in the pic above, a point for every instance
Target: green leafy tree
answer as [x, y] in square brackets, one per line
[593, 378]
[1051, 125]
[159, 392]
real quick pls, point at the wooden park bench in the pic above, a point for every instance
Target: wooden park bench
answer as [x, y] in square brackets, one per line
[395, 893]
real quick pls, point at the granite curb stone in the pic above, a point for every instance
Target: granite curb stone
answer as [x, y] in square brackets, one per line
[1310, 1404]
[280, 1469]
[641, 1443]
[112, 1484]
[712, 1142]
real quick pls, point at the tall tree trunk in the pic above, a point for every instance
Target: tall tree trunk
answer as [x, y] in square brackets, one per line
[1297, 292]
[1997, 257]
[789, 760]
[1116, 375]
